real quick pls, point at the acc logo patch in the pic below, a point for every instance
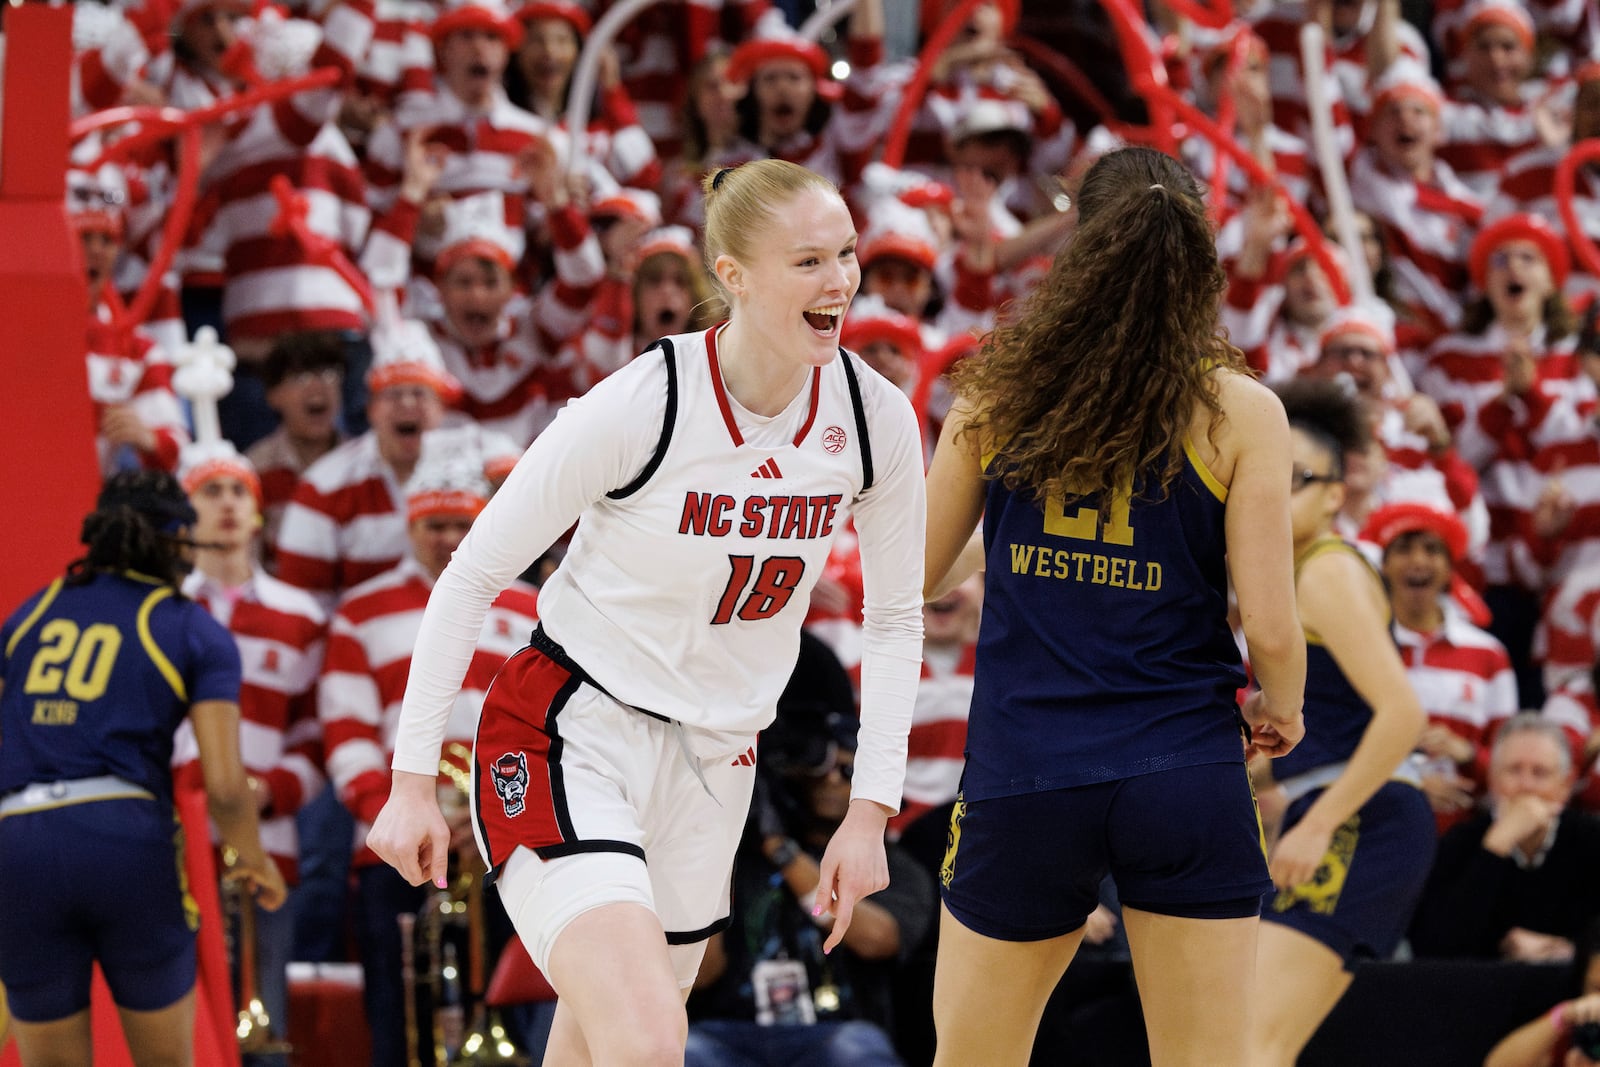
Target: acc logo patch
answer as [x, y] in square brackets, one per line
[834, 439]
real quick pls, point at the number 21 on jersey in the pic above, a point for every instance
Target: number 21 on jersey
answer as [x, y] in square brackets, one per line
[1084, 523]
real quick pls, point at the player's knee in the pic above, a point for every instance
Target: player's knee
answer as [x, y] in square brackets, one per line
[653, 1038]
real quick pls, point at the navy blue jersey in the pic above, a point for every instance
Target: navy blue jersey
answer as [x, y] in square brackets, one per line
[1105, 650]
[1336, 716]
[99, 675]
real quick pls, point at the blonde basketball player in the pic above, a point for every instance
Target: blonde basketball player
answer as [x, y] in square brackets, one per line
[708, 478]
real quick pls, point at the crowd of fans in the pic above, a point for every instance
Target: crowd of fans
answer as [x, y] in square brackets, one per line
[417, 263]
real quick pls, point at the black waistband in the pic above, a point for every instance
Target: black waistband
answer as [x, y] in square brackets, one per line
[558, 655]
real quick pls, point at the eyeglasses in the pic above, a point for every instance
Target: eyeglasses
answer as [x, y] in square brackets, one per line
[847, 771]
[1304, 477]
[1350, 353]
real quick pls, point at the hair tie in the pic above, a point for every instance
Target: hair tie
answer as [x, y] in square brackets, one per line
[1158, 185]
[721, 175]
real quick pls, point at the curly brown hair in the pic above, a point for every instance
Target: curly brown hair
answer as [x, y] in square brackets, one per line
[1093, 385]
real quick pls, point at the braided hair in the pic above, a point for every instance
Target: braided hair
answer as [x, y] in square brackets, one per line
[134, 527]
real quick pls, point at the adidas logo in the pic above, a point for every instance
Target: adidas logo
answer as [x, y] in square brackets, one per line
[748, 758]
[769, 469]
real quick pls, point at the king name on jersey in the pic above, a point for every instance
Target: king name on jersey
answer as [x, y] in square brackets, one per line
[795, 518]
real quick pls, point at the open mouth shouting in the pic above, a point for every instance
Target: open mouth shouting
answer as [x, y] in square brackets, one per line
[824, 321]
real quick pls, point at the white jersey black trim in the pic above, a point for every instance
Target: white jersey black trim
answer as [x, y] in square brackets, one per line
[862, 436]
[669, 357]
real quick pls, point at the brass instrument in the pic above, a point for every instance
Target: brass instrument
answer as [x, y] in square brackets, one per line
[408, 982]
[253, 1026]
[485, 1043]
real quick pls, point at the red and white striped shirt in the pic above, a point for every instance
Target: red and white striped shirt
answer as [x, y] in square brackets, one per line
[936, 747]
[1440, 479]
[841, 630]
[400, 59]
[1274, 347]
[1500, 436]
[660, 45]
[513, 387]
[1279, 28]
[1291, 164]
[127, 368]
[364, 678]
[1479, 138]
[273, 282]
[1567, 452]
[345, 522]
[1428, 226]
[844, 145]
[1462, 676]
[1527, 183]
[1052, 136]
[483, 151]
[280, 631]
[278, 466]
[1568, 23]
[1568, 642]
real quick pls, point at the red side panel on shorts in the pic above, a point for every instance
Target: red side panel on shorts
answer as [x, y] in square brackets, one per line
[517, 759]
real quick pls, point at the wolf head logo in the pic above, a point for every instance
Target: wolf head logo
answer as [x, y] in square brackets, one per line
[511, 782]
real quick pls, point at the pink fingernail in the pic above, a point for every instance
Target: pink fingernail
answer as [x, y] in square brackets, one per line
[440, 882]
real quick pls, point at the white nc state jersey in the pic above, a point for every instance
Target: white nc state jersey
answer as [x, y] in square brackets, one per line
[702, 529]
[684, 591]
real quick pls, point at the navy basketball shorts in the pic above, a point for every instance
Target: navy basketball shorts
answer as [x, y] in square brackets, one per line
[580, 801]
[101, 881]
[1360, 901]
[1184, 842]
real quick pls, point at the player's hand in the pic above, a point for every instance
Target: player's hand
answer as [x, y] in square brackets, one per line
[854, 866]
[1518, 819]
[410, 833]
[1530, 946]
[1518, 366]
[257, 871]
[423, 166]
[1554, 509]
[1099, 927]
[1270, 734]
[1447, 793]
[1441, 742]
[1423, 417]
[1298, 855]
[121, 425]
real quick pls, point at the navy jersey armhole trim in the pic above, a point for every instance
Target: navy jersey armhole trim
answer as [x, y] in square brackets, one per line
[669, 356]
[861, 420]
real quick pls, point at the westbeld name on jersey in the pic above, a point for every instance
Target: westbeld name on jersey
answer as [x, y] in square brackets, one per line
[1092, 567]
[772, 517]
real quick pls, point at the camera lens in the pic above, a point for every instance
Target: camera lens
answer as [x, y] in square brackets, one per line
[1586, 1039]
